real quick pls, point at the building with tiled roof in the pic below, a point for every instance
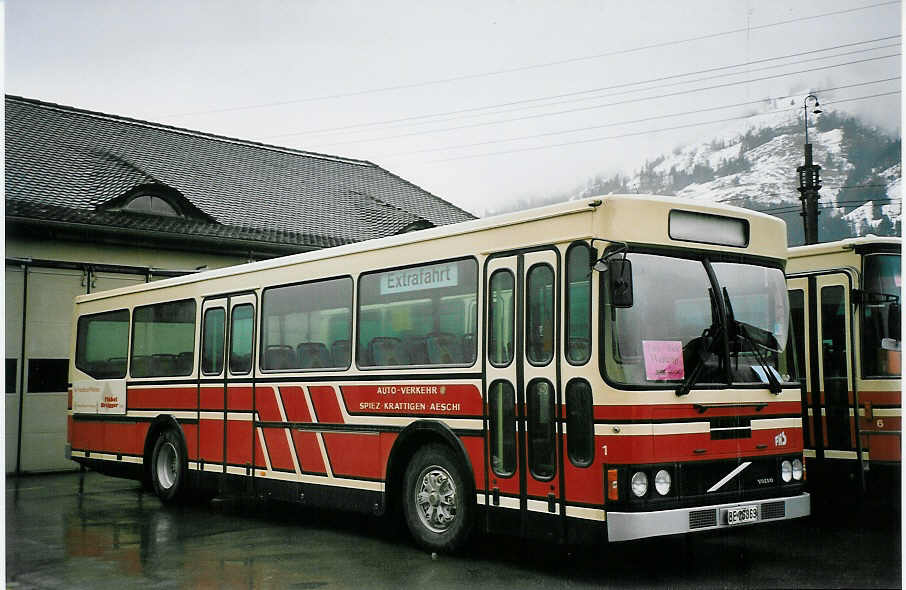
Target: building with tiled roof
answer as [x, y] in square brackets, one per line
[95, 201]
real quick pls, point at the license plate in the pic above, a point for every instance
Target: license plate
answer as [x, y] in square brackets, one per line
[742, 514]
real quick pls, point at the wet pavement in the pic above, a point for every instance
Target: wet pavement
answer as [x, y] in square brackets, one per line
[115, 535]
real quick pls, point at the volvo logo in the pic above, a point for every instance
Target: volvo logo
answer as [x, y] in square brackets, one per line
[765, 481]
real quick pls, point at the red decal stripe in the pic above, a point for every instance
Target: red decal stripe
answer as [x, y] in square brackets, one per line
[353, 455]
[294, 404]
[678, 411]
[212, 398]
[210, 440]
[324, 399]
[308, 451]
[278, 449]
[266, 405]
[239, 398]
[171, 398]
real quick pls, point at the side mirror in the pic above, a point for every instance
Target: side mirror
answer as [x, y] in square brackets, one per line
[619, 276]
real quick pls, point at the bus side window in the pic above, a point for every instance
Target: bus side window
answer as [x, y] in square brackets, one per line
[579, 423]
[578, 304]
[241, 328]
[539, 318]
[212, 343]
[502, 428]
[501, 320]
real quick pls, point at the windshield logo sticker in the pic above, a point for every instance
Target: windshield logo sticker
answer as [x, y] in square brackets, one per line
[780, 440]
[663, 360]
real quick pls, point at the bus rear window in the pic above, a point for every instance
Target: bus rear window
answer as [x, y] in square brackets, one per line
[102, 343]
[423, 315]
[163, 340]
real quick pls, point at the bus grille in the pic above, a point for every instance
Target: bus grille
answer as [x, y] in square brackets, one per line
[773, 510]
[702, 518]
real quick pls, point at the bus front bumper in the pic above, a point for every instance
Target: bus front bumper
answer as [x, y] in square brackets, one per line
[624, 526]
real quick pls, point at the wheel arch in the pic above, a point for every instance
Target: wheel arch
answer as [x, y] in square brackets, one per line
[412, 438]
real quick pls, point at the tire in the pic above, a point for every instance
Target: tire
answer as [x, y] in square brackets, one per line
[438, 499]
[168, 466]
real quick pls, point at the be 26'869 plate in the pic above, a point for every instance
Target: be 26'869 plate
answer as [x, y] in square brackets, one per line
[742, 514]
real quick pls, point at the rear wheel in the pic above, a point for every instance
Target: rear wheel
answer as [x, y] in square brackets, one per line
[438, 499]
[168, 466]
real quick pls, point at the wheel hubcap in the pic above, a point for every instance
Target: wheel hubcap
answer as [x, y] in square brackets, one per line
[435, 498]
[166, 466]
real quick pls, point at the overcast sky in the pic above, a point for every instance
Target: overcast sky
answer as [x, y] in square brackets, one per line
[466, 98]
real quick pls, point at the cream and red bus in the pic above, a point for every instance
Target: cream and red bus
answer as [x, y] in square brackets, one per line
[845, 302]
[612, 368]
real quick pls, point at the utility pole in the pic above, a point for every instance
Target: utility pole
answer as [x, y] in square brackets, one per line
[809, 181]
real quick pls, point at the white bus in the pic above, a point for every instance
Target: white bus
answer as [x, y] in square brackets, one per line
[606, 369]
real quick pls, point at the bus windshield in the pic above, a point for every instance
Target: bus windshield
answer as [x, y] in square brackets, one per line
[677, 326]
[881, 316]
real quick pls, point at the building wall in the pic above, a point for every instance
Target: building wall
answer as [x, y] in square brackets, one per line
[39, 297]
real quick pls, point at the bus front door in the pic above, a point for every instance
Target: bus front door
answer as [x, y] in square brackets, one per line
[522, 394]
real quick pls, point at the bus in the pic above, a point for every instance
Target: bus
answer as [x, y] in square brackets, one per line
[845, 299]
[612, 368]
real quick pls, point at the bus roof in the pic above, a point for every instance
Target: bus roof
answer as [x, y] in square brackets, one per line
[843, 245]
[585, 205]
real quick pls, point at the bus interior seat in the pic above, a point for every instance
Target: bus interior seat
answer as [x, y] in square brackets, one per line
[443, 348]
[184, 362]
[240, 364]
[385, 351]
[141, 366]
[313, 355]
[468, 348]
[340, 352]
[417, 349]
[280, 356]
[163, 364]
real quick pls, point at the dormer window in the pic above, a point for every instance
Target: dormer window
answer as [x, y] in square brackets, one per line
[151, 205]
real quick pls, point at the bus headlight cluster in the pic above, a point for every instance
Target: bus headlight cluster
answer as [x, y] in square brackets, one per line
[639, 484]
[797, 469]
[662, 482]
[790, 470]
[786, 471]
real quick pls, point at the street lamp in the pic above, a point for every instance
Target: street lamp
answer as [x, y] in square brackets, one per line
[809, 179]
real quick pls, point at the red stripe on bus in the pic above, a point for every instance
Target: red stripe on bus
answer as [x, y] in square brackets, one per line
[294, 404]
[239, 442]
[884, 447]
[583, 484]
[211, 398]
[880, 398]
[697, 446]
[353, 455]
[413, 399]
[239, 398]
[278, 449]
[266, 405]
[327, 410]
[308, 452]
[210, 440]
[677, 411]
[172, 398]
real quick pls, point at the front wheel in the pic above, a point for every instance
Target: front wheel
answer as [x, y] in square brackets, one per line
[438, 501]
[168, 466]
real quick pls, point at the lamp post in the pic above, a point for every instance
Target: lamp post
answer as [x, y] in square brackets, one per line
[809, 179]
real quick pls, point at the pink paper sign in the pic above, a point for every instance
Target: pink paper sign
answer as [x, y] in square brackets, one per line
[663, 360]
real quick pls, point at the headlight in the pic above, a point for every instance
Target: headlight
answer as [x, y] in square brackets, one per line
[639, 484]
[786, 471]
[662, 482]
[797, 469]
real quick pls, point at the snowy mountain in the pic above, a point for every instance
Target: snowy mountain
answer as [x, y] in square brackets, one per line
[754, 166]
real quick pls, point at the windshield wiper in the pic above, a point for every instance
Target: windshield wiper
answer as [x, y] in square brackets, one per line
[704, 346]
[757, 338]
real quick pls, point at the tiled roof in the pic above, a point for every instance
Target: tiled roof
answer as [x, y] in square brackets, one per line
[67, 165]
